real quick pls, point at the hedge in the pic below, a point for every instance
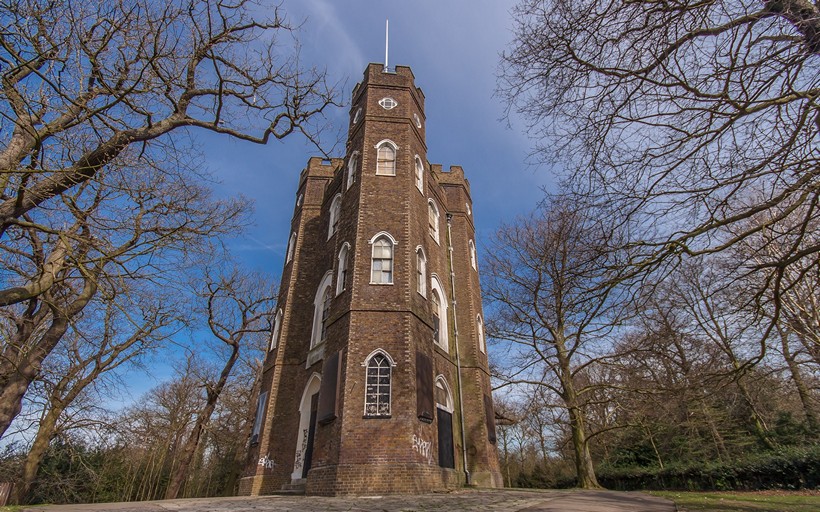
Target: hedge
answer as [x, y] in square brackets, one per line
[793, 468]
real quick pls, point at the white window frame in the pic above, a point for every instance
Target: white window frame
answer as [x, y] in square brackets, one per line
[318, 303]
[442, 384]
[389, 143]
[387, 236]
[444, 327]
[390, 365]
[421, 272]
[277, 328]
[434, 229]
[388, 103]
[419, 174]
[482, 346]
[342, 268]
[291, 247]
[472, 255]
[352, 163]
[357, 115]
[335, 213]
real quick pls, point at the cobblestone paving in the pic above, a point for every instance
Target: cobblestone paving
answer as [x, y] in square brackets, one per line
[459, 501]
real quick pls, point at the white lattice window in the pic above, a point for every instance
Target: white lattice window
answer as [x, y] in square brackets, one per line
[419, 174]
[382, 264]
[335, 213]
[321, 310]
[432, 219]
[377, 385]
[277, 327]
[386, 158]
[388, 103]
[341, 273]
[480, 333]
[291, 247]
[439, 307]
[351, 169]
[472, 255]
[421, 272]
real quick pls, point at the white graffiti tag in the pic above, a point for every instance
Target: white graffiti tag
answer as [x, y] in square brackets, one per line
[266, 462]
[423, 448]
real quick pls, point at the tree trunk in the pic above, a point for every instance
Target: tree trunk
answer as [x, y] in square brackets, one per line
[22, 373]
[48, 425]
[577, 423]
[179, 474]
[799, 383]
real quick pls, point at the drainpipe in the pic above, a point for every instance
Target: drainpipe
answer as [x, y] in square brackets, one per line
[458, 358]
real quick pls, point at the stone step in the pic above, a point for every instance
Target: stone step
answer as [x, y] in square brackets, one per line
[293, 488]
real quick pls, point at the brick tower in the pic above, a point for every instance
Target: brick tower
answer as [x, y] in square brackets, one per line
[377, 379]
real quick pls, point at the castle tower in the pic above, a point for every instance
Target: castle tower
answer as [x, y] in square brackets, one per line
[377, 378]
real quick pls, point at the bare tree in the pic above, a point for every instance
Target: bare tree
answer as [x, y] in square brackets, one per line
[93, 186]
[548, 283]
[238, 306]
[693, 123]
[116, 334]
[118, 229]
[83, 82]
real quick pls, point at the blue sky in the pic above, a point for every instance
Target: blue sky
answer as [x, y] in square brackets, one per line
[452, 48]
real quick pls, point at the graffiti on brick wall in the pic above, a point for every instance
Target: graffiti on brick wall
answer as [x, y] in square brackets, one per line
[423, 448]
[298, 463]
[266, 462]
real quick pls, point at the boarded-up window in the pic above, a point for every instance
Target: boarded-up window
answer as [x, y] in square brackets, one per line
[424, 387]
[489, 412]
[329, 391]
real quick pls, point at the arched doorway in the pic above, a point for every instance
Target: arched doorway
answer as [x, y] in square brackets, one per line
[444, 419]
[307, 428]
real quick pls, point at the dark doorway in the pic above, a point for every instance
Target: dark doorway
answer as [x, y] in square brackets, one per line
[314, 408]
[445, 439]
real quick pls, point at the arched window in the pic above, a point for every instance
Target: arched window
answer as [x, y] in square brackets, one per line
[472, 255]
[439, 306]
[379, 368]
[444, 413]
[277, 326]
[421, 272]
[419, 174]
[321, 310]
[386, 158]
[479, 327]
[335, 213]
[381, 270]
[341, 273]
[443, 396]
[291, 247]
[432, 219]
[351, 168]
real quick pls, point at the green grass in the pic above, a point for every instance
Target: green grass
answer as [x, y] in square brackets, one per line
[741, 502]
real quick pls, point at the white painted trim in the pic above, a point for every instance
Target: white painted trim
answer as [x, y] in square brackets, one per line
[277, 329]
[437, 235]
[335, 212]
[424, 276]
[383, 233]
[377, 351]
[327, 281]
[444, 328]
[311, 388]
[340, 285]
[392, 365]
[449, 407]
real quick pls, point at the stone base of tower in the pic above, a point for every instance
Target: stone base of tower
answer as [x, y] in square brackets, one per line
[487, 479]
[368, 479]
[259, 485]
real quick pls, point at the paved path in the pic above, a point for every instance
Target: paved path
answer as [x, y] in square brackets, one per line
[481, 500]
